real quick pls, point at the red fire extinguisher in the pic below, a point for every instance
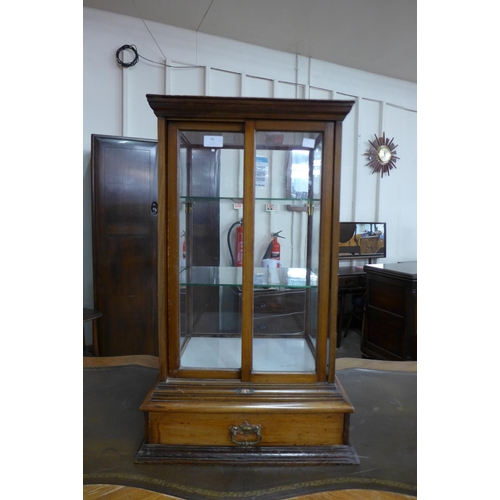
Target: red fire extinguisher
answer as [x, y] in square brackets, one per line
[239, 246]
[183, 262]
[273, 250]
[275, 246]
[238, 262]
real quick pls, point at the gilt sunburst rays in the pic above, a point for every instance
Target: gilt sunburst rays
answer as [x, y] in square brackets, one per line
[382, 155]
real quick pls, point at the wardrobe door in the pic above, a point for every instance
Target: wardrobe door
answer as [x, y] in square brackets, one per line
[124, 196]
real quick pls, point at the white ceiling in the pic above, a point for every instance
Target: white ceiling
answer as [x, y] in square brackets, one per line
[379, 36]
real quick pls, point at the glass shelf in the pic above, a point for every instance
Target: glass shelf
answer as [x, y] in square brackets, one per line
[194, 199]
[293, 277]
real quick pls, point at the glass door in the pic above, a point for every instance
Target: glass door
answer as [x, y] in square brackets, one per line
[210, 185]
[251, 303]
[288, 169]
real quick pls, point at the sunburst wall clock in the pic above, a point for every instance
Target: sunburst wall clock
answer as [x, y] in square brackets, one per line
[382, 155]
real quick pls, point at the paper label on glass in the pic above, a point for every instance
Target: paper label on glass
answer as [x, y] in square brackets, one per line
[261, 171]
[213, 141]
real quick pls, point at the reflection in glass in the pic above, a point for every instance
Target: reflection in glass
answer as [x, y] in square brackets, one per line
[299, 175]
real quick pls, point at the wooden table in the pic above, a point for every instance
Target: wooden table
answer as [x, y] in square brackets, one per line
[352, 280]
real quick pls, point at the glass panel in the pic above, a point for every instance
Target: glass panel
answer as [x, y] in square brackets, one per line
[286, 249]
[211, 191]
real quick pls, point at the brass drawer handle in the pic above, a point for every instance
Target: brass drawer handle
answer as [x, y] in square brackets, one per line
[245, 429]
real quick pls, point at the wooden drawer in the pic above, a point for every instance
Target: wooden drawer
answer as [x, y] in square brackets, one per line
[224, 429]
[387, 297]
[385, 332]
[355, 281]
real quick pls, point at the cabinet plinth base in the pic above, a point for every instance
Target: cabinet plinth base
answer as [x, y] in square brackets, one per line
[226, 423]
[258, 455]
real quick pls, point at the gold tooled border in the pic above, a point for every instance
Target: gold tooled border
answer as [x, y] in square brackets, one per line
[154, 483]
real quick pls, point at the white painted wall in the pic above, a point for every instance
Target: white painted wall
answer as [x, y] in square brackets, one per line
[191, 63]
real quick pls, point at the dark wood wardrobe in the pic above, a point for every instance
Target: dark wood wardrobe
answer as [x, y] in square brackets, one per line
[124, 232]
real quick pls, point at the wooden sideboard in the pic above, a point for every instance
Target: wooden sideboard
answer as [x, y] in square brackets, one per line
[390, 323]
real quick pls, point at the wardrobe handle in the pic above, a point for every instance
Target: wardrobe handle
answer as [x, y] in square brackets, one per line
[154, 208]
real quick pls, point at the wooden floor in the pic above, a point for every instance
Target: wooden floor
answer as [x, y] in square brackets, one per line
[115, 492]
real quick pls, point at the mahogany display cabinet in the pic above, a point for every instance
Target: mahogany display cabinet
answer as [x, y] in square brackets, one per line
[247, 336]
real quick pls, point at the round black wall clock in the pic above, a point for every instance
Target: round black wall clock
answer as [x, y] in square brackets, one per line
[382, 155]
